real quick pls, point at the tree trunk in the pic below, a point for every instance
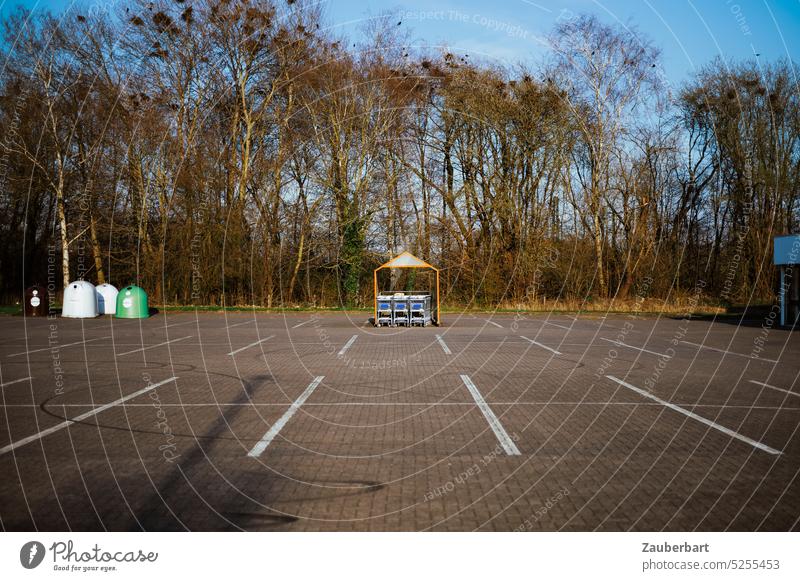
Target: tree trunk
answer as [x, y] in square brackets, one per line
[598, 250]
[297, 263]
[309, 296]
[268, 279]
[62, 226]
[98, 257]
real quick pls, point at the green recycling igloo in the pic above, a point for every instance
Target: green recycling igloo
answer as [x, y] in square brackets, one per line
[132, 303]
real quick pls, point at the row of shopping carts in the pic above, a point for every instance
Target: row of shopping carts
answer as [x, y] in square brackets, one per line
[401, 309]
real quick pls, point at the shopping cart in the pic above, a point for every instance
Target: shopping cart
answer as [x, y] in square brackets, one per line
[420, 309]
[385, 311]
[400, 310]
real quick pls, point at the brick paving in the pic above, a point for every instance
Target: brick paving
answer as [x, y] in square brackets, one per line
[392, 439]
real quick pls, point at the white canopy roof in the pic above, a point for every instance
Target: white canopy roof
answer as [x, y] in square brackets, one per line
[406, 260]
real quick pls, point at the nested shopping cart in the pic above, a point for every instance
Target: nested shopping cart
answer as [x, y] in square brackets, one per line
[400, 310]
[419, 309]
[383, 311]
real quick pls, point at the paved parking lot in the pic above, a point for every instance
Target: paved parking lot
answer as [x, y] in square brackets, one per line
[321, 422]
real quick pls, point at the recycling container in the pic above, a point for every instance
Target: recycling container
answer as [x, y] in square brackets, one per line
[80, 300]
[132, 303]
[107, 299]
[37, 303]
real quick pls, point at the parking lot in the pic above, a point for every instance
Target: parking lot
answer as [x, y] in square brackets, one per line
[303, 421]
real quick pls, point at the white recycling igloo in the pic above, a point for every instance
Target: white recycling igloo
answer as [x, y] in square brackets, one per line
[107, 299]
[80, 300]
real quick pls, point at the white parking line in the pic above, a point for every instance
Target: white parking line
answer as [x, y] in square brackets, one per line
[505, 440]
[15, 381]
[234, 352]
[348, 345]
[80, 418]
[694, 416]
[422, 404]
[557, 325]
[729, 352]
[541, 345]
[621, 344]
[153, 346]
[445, 348]
[303, 323]
[262, 444]
[775, 388]
[59, 346]
[493, 323]
[242, 323]
[183, 323]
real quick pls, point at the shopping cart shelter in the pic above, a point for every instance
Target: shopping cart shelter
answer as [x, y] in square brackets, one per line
[412, 307]
[301, 421]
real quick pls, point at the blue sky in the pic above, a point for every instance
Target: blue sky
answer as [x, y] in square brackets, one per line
[689, 33]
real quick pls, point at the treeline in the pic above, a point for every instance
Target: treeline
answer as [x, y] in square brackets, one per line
[237, 150]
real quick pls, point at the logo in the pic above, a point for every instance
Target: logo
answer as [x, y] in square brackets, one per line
[31, 554]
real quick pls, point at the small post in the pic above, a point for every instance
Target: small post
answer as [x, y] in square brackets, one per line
[375, 295]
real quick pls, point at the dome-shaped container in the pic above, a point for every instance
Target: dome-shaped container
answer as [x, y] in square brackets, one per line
[80, 300]
[132, 303]
[37, 302]
[106, 299]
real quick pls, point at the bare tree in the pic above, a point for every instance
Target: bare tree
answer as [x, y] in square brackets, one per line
[608, 72]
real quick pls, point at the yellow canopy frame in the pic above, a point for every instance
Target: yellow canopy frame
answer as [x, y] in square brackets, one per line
[405, 260]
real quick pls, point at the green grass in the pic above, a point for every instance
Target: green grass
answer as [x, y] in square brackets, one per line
[650, 309]
[253, 308]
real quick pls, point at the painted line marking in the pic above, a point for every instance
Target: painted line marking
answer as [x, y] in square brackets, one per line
[59, 346]
[694, 416]
[262, 444]
[493, 323]
[543, 403]
[347, 345]
[541, 345]
[153, 346]
[621, 344]
[240, 324]
[773, 387]
[234, 352]
[81, 417]
[729, 352]
[303, 323]
[183, 323]
[505, 441]
[557, 325]
[16, 381]
[445, 348]
[454, 339]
